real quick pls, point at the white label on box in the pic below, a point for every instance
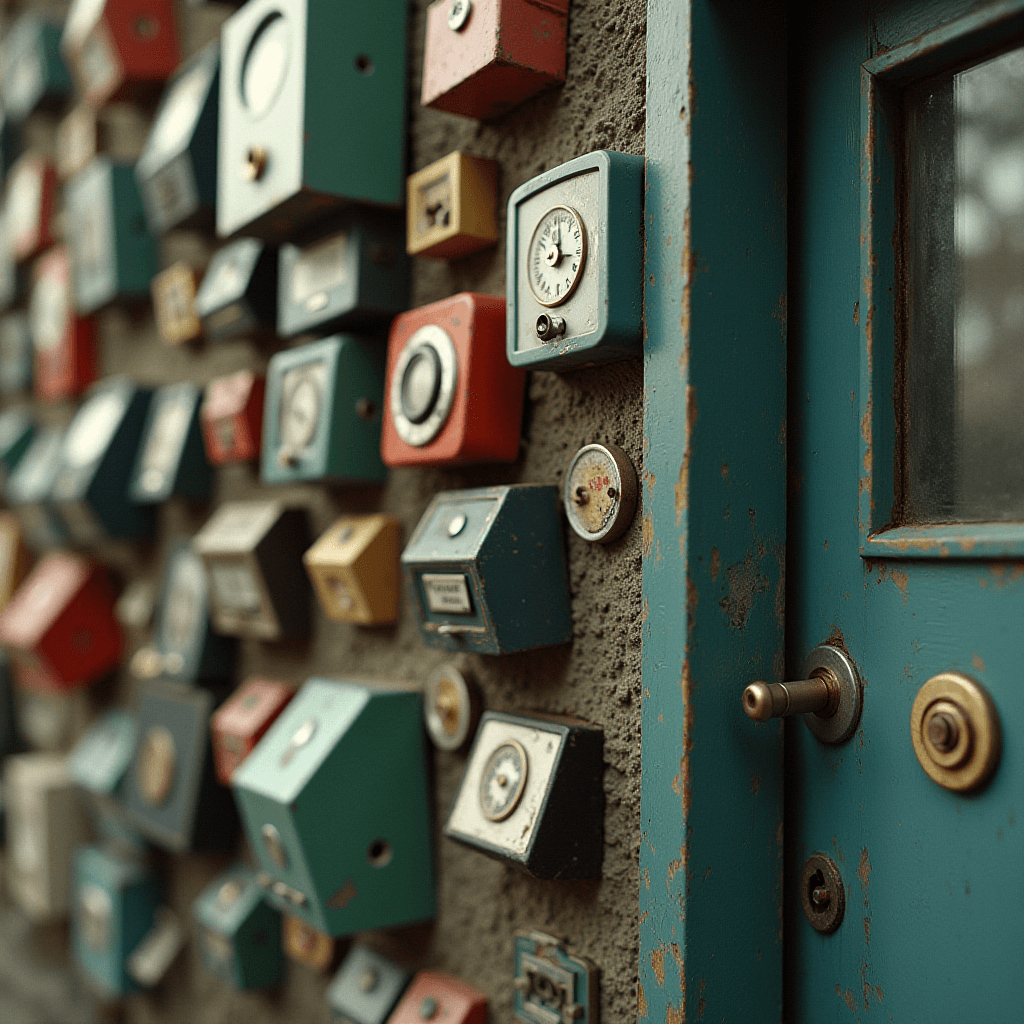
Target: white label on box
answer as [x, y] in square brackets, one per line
[447, 593]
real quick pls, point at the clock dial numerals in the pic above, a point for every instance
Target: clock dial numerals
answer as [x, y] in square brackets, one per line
[557, 254]
[503, 781]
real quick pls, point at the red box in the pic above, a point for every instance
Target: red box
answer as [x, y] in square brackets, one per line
[452, 1001]
[505, 52]
[122, 49]
[485, 418]
[31, 205]
[232, 416]
[64, 343]
[239, 723]
[60, 626]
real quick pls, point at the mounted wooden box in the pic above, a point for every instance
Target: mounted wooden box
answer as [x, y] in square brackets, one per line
[81, 136]
[174, 304]
[15, 559]
[100, 759]
[238, 294]
[34, 73]
[28, 490]
[366, 988]
[240, 722]
[553, 983]
[232, 416]
[436, 996]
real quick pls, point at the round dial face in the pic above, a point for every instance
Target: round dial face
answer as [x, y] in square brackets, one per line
[300, 411]
[557, 254]
[421, 383]
[265, 63]
[93, 428]
[503, 781]
[180, 112]
[156, 766]
[600, 492]
[449, 708]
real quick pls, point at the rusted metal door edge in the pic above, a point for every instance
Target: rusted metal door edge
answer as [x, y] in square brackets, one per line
[714, 510]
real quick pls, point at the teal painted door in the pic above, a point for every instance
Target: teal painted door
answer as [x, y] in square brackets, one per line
[900, 546]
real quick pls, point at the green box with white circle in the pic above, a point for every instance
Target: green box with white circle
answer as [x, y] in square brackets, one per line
[574, 259]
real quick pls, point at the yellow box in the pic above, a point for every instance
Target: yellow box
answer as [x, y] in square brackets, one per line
[355, 571]
[14, 557]
[174, 304]
[451, 207]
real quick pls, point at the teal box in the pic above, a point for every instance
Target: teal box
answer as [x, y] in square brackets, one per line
[366, 988]
[355, 275]
[552, 983]
[238, 294]
[575, 258]
[34, 73]
[322, 412]
[312, 112]
[16, 434]
[336, 804]
[97, 456]
[28, 490]
[9, 743]
[486, 570]
[190, 651]
[15, 352]
[172, 458]
[240, 934]
[177, 171]
[115, 256]
[114, 908]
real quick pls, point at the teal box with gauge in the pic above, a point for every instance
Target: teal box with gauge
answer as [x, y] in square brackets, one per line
[34, 73]
[337, 808]
[322, 412]
[172, 457]
[312, 112]
[114, 907]
[114, 255]
[238, 293]
[354, 275]
[16, 434]
[97, 456]
[575, 258]
[189, 650]
[486, 570]
[28, 490]
[239, 932]
[177, 170]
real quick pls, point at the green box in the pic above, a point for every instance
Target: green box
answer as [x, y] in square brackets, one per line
[366, 988]
[322, 412]
[238, 294]
[336, 804]
[16, 351]
[240, 934]
[16, 434]
[34, 72]
[312, 112]
[28, 490]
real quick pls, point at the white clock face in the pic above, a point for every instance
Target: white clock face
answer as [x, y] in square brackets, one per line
[557, 254]
[503, 781]
[266, 64]
[93, 428]
[301, 399]
[180, 112]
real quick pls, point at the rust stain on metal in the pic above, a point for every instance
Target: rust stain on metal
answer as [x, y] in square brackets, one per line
[716, 562]
[864, 871]
[701, 1001]
[651, 480]
[678, 780]
[641, 1001]
[755, 785]
[847, 997]
[658, 964]
[675, 866]
[674, 1016]
[725, 470]
[682, 488]
[746, 581]
[867, 931]
[647, 880]
[856, 312]
[648, 535]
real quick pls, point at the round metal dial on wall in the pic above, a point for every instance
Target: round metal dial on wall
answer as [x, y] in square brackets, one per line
[600, 492]
[180, 113]
[423, 385]
[557, 255]
[157, 762]
[503, 780]
[300, 413]
[265, 63]
[451, 707]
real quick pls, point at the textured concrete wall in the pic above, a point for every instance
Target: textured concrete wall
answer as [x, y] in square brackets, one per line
[597, 677]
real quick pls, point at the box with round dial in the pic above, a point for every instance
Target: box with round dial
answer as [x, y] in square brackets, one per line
[44, 823]
[172, 460]
[232, 416]
[188, 649]
[574, 258]
[100, 447]
[174, 304]
[451, 395]
[177, 170]
[30, 205]
[15, 559]
[322, 413]
[34, 73]
[482, 57]
[81, 135]
[450, 207]
[533, 795]
[304, 84]
[366, 988]
[64, 342]
[355, 275]
[120, 49]
[114, 254]
[17, 432]
[238, 294]
[15, 354]
[485, 570]
[59, 627]
[553, 983]
[342, 752]
[173, 796]
[29, 486]
[305, 945]
[436, 996]
[114, 907]
[253, 554]
[240, 722]
[354, 569]
[239, 932]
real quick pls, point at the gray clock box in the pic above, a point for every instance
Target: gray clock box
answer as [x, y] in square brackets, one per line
[238, 294]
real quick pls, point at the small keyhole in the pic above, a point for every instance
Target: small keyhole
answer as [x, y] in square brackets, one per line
[820, 896]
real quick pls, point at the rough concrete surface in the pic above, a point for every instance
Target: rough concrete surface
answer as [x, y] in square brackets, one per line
[482, 902]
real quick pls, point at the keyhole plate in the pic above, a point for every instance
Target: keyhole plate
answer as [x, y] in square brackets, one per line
[820, 873]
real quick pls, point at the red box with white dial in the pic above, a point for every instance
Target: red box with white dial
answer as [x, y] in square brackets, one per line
[30, 205]
[440, 997]
[451, 396]
[64, 343]
[232, 416]
[239, 723]
[60, 626]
